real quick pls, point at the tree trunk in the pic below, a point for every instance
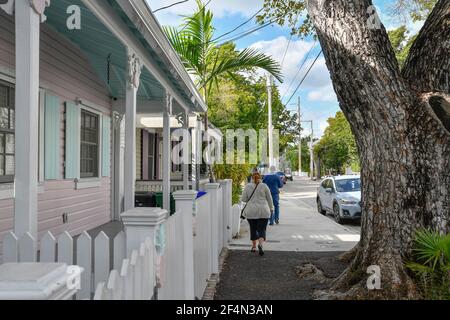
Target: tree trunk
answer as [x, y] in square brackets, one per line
[403, 141]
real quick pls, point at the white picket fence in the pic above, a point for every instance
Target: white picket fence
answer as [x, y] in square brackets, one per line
[110, 274]
[202, 245]
[172, 285]
[235, 220]
[96, 256]
[220, 221]
[134, 280]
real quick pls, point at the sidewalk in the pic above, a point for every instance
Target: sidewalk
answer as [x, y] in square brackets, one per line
[303, 238]
[301, 228]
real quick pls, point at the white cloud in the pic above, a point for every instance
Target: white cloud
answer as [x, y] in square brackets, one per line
[319, 76]
[220, 9]
[320, 119]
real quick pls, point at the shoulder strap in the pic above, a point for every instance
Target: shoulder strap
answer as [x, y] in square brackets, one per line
[250, 197]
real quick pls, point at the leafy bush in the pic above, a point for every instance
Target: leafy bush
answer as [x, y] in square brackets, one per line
[431, 264]
[237, 172]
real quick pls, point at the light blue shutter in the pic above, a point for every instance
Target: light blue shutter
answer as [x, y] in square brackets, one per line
[52, 126]
[72, 164]
[106, 146]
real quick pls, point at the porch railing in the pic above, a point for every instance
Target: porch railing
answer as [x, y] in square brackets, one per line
[156, 185]
[158, 256]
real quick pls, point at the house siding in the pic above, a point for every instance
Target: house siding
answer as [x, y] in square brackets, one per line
[66, 73]
[138, 154]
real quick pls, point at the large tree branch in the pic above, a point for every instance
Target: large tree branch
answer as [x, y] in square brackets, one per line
[428, 65]
[361, 61]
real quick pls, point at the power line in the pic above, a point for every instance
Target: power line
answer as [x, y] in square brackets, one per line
[301, 82]
[299, 69]
[285, 52]
[169, 6]
[203, 8]
[248, 32]
[287, 47]
[239, 26]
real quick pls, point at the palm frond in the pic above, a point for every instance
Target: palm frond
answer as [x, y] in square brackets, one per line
[188, 52]
[248, 58]
[201, 56]
[431, 248]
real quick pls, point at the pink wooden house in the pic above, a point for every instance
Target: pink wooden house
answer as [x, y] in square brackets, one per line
[77, 81]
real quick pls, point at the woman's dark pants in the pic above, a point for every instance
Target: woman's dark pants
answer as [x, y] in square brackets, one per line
[258, 228]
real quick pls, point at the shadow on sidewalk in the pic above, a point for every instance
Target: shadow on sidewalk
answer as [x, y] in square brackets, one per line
[275, 276]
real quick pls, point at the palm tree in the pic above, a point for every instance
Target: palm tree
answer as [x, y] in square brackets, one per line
[201, 54]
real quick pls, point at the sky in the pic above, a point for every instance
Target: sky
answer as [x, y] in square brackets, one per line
[318, 100]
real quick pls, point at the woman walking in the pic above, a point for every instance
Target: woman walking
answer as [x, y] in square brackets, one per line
[258, 210]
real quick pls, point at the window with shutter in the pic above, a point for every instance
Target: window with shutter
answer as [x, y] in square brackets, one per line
[7, 137]
[89, 144]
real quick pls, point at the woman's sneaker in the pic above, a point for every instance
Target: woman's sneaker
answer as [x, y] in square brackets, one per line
[260, 249]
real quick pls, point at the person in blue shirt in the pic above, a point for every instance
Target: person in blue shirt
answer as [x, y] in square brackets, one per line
[274, 182]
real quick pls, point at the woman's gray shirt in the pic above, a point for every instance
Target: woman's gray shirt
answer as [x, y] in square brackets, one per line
[260, 205]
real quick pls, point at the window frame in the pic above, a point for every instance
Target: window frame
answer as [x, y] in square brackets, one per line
[99, 114]
[8, 179]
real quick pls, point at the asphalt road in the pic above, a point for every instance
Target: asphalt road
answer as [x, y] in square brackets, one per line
[304, 193]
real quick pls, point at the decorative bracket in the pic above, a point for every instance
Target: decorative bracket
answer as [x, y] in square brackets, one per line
[8, 7]
[134, 69]
[169, 103]
[37, 5]
[117, 119]
[181, 118]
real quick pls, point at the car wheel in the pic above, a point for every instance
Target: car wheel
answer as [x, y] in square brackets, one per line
[337, 215]
[320, 208]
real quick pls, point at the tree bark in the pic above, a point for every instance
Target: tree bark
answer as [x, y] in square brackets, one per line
[403, 145]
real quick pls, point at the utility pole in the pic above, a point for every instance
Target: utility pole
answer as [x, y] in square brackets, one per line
[270, 127]
[300, 139]
[311, 152]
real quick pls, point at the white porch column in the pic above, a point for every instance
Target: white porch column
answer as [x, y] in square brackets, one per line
[28, 16]
[184, 201]
[118, 160]
[197, 154]
[134, 73]
[166, 159]
[213, 190]
[186, 165]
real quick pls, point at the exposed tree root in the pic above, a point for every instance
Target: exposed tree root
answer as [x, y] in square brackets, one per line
[352, 284]
[311, 272]
[348, 256]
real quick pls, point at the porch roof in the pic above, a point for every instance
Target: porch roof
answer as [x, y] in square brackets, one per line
[105, 45]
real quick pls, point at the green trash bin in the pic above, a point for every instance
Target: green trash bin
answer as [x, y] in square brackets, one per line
[159, 201]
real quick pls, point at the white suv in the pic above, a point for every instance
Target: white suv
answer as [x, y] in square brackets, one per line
[341, 196]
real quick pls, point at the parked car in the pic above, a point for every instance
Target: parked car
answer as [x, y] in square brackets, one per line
[341, 196]
[282, 176]
[288, 174]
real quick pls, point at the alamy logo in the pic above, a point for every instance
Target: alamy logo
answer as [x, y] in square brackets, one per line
[74, 20]
[374, 280]
[73, 281]
[374, 21]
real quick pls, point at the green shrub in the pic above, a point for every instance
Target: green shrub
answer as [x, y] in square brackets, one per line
[431, 255]
[237, 172]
